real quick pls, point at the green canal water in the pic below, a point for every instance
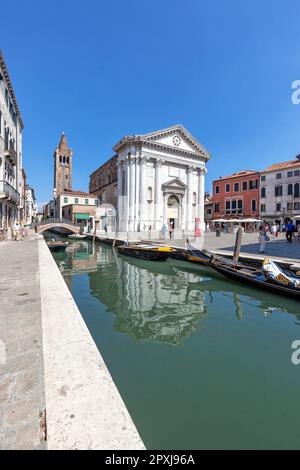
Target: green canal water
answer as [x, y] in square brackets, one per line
[200, 362]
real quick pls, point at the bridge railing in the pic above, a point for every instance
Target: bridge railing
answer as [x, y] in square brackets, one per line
[53, 220]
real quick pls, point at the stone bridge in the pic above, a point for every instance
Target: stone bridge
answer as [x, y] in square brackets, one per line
[48, 224]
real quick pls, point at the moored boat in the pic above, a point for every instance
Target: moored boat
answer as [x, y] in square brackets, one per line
[146, 252]
[77, 236]
[57, 245]
[269, 277]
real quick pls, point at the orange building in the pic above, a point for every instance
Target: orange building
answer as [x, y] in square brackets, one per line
[236, 196]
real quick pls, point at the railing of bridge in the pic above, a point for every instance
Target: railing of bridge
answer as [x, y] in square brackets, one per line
[53, 220]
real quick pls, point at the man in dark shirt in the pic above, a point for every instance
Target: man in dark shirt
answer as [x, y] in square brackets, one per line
[289, 232]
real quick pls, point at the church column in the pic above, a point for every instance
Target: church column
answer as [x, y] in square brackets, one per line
[137, 194]
[120, 209]
[143, 194]
[158, 196]
[201, 190]
[189, 206]
[131, 194]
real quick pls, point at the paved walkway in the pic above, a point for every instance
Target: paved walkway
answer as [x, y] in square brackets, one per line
[21, 361]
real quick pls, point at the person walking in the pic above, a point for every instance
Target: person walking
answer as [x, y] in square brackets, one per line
[16, 231]
[164, 230]
[289, 232]
[262, 239]
[171, 229]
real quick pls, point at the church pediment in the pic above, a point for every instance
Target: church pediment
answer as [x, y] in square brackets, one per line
[178, 138]
[175, 139]
[175, 183]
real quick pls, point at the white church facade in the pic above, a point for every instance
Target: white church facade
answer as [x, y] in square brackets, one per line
[159, 179]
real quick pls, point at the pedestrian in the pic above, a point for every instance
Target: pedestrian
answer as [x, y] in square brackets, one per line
[164, 230]
[262, 239]
[171, 229]
[289, 231]
[105, 229]
[16, 231]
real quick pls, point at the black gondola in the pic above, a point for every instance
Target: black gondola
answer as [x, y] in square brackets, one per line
[282, 283]
[57, 245]
[146, 252]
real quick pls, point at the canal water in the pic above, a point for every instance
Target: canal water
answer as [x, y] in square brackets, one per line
[200, 362]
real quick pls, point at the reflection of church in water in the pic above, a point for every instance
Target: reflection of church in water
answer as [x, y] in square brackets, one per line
[152, 304]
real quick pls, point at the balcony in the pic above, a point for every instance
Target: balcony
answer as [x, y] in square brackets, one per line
[10, 153]
[9, 193]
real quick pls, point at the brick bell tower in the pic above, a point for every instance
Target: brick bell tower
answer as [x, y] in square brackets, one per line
[62, 167]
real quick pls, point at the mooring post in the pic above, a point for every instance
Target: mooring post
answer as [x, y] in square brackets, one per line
[238, 242]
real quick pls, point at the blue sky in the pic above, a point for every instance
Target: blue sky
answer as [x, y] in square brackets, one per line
[102, 69]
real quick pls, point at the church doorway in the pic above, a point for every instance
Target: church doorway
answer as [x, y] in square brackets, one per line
[173, 211]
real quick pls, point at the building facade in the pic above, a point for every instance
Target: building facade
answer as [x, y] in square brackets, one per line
[104, 182]
[78, 207]
[160, 179]
[280, 192]
[62, 167]
[11, 126]
[31, 206]
[208, 208]
[236, 196]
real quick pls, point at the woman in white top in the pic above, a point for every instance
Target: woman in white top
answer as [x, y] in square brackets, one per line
[262, 239]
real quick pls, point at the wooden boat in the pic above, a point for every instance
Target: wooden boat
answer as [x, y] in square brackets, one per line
[255, 277]
[146, 252]
[77, 236]
[275, 280]
[57, 245]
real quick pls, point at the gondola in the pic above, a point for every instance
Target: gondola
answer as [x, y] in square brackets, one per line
[57, 245]
[146, 252]
[269, 277]
[77, 236]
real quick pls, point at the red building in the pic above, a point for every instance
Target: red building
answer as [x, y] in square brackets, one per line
[236, 196]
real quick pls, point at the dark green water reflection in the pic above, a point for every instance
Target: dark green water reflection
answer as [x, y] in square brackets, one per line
[200, 362]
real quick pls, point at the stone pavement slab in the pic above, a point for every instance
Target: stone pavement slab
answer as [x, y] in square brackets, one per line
[21, 362]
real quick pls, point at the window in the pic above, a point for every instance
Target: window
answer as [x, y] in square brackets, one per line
[227, 205]
[60, 159]
[278, 190]
[253, 205]
[233, 204]
[240, 204]
[296, 190]
[278, 207]
[278, 176]
[289, 174]
[296, 206]
[290, 190]
[236, 187]
[76, 200]
[289, 206]
[86, 201]
[208, 211]
[194, 199]
[297, 173]
[263, 178]
[217, 189]
[150, 194]
[227, 188]
[263, 192]
[263, 208]
[253, 184]
[217, 207]
[65, 200]
[245, 185]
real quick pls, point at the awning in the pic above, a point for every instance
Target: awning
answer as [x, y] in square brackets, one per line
[236, 221]
[82, 216]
